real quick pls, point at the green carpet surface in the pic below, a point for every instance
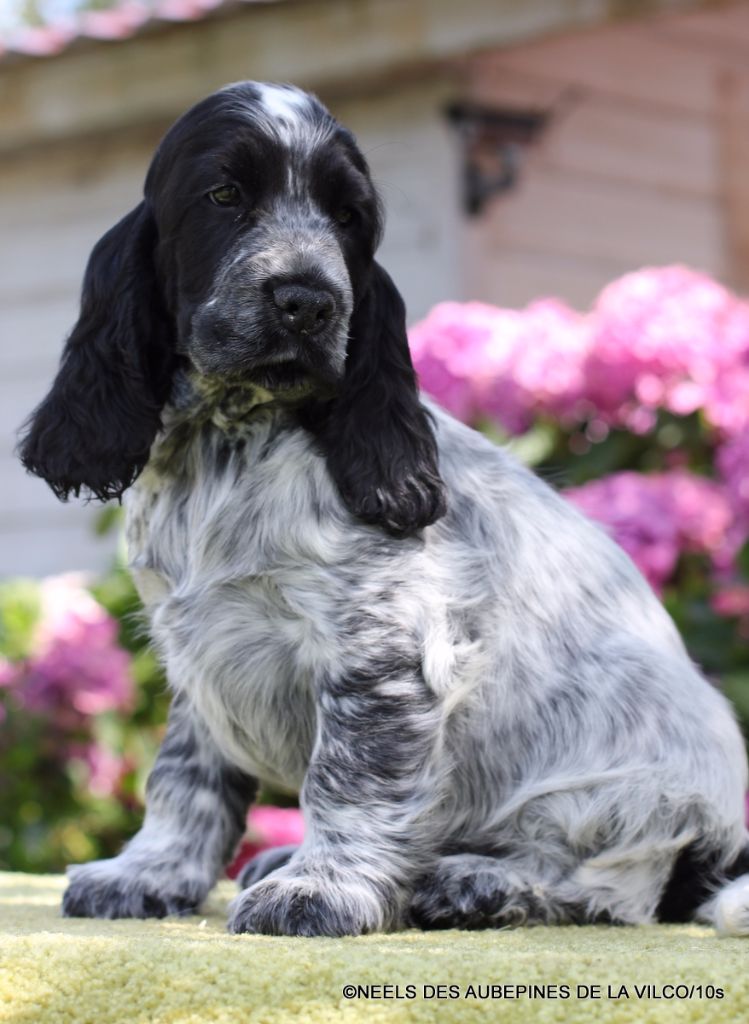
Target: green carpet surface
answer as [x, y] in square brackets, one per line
[190, 971]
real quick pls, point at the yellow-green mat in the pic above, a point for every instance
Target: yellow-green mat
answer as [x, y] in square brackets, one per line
[55, 971]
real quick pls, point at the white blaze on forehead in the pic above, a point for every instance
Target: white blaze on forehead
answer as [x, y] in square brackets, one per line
[286, 112]
[283, 101]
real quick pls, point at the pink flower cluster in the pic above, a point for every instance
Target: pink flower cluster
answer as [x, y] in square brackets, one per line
[664, 337]
[510, 365]
[657, 517]
[733, 464]
[77, 668]
[661, 338]
[669, 338]
[104, 770]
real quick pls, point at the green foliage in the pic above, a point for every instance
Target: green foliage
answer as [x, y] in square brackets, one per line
[19, 614]
[50, 813]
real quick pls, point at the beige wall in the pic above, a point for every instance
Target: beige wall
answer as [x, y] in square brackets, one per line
[639, 165]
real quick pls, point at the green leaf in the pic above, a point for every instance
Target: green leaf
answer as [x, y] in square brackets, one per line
[111, 517]
[735, 685]
[20, 608]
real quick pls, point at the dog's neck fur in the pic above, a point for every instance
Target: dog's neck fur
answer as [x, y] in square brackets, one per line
[226, 412]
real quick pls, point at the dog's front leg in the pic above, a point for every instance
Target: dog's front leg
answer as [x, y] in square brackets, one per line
[196, 805]
[369, 801]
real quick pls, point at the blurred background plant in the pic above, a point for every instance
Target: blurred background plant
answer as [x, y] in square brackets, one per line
[82, 700]
[638, 410]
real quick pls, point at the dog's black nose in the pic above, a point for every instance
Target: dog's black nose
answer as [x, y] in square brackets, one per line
[303, 310]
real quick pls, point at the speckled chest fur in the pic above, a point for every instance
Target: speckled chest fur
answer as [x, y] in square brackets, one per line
[247, 563]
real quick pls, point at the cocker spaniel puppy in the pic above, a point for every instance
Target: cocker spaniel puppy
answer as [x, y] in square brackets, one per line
[487, 713]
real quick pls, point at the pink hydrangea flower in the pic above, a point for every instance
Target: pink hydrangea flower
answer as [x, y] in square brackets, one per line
[267, 827]
[7, 677]
[726, 402]
[77, 664]
[6, 672]
[732, 601]
[478, 360]
[733, 464]
[654, 518]
[665, 337]
[105, 770]
[550, 377]
[451, 349]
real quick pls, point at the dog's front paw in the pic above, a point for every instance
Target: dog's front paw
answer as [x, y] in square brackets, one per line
[305, 905]
[402, 507]
[116, 888]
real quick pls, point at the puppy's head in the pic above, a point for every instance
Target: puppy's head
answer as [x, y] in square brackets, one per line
[267, 224]
[251, 260]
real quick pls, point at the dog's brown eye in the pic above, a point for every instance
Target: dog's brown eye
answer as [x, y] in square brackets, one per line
[225, 195]
[344, 215]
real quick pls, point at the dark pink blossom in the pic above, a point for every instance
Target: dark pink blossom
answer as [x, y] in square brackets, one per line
[732, 600]
[7, 677]
[105, 770]
[665, 337]
[732, 460]
[477, 360]
[660, 338]
[656, 517]
[77, 664]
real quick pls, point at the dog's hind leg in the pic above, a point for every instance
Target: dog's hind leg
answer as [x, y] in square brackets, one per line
[263, 863]
[475, 891]
[703, 889]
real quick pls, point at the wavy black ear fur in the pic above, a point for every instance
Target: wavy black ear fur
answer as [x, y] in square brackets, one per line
[376, 435]
[94, 429]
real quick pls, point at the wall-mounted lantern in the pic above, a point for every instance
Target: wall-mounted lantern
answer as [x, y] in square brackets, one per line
[492, 139]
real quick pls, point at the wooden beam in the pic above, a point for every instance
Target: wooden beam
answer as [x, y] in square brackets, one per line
[733, 128]
[330, 45]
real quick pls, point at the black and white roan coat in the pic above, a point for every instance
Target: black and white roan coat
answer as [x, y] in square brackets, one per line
[488, 715]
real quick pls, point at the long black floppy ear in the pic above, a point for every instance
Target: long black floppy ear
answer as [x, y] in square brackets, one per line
[94, 429]
[376, 435]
